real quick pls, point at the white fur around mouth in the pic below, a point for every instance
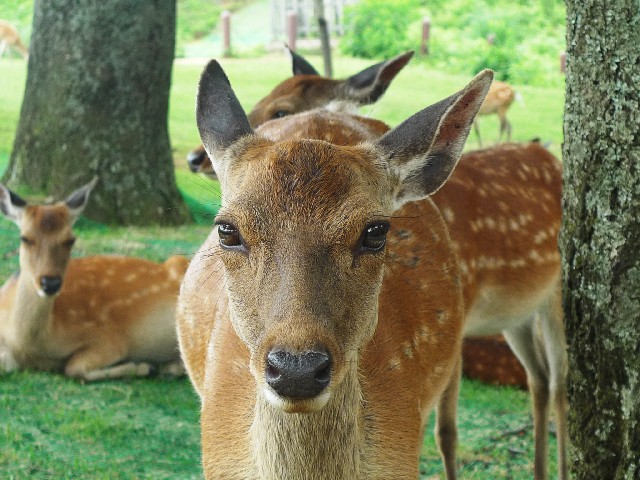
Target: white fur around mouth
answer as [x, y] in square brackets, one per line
[288, 405]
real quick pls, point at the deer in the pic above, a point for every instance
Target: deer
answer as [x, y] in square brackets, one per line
[10, 38]
[498, 101]
[92, 318]
[316, 327]
[503, 213]
[307, 89]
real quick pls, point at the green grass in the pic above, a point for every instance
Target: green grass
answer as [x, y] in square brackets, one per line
[51, 427]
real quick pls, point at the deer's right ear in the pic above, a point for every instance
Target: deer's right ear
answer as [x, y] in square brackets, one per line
[79, 199]
[11, 205]
[219, 115]
[299, 64]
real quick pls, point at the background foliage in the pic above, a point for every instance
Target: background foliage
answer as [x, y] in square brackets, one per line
[528, 35]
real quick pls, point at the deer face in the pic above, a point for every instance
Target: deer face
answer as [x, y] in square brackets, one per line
[302, 232]
[46, 236]
[46, 240]
[304, 257]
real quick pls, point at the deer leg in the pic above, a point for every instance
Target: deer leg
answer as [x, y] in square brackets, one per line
[477, 130]
[96, 364]
[173, 369]
[555, 348]
[522, 341]
[446, 421]
[3, 47]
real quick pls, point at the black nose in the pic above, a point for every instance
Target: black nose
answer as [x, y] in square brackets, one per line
[195, 159]
[50, 285]
[298, 375]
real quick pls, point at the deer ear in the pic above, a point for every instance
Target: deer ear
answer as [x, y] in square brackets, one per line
[79, 199]
[299, 64]
[370, 84]
[11, 205]
[423, 151]
[219, 115]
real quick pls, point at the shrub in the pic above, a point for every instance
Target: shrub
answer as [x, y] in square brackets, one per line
[377, 28]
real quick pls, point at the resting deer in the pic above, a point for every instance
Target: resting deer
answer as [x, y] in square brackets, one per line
[92, 318]
[498, 101]
[307, 90]
[502, 209]
[316, 327]
[10, 38]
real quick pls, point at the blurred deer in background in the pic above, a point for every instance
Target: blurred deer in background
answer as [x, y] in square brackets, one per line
[10, 38]
[93, 318]
[307, 89]
[316, 326]
[500, 97]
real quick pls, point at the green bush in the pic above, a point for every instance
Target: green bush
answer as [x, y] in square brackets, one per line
[528, 35]
[377, 28]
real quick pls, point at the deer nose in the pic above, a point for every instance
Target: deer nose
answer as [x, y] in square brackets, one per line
[195, 159]
[50, 285]
[298, 375]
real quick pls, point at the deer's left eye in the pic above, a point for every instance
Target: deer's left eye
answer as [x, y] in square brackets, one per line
[374, 237]
[229, 235]
[280, 114]
[27, 241]
[69, 243]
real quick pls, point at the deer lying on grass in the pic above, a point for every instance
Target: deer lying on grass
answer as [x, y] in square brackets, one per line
[307, 90]
[10, 38]
[316, 327]
[498, 101]
[93, 318]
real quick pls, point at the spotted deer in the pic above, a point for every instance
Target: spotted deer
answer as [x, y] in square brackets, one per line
[500, 97]
[10, 38]
[502, 209]
[306, 90]
[93, 318]
[316, 327]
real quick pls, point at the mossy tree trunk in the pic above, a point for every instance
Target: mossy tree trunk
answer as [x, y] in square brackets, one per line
[96, 103]
[600, 238]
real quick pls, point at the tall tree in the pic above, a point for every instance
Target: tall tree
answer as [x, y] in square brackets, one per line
[600, 239]
[96, 103]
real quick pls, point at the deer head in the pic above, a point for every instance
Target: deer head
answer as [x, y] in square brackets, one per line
[302, 232]
[46, 236]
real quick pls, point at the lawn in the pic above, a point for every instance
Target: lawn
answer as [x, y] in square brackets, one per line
[52, 427]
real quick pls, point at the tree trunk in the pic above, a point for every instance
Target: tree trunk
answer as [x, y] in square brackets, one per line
[323, 32]
[96, 103]
[600, 238]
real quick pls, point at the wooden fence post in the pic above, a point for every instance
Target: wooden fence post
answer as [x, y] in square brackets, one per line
[225, 18]
[426, 31]
[292, 29]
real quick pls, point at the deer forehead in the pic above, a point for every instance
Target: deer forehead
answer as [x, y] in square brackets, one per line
[46, 220]
[308, 182]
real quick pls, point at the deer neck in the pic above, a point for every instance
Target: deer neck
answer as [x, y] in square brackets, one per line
[296, 446]
[30, 313]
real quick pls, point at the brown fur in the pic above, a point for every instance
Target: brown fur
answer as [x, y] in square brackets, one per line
[500, 97]
[9, 37]
[111, 309]
[502, 208]
[391, 320]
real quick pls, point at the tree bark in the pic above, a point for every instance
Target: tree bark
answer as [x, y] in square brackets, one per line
[600, 237]
[96, 103]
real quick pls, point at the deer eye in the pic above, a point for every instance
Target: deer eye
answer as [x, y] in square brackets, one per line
[69, 243]
[229, 235]
[27, 241]
[374, 237]
[280, 114]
